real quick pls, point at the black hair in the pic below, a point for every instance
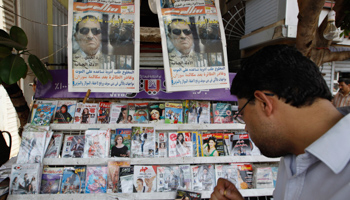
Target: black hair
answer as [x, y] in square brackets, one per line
[345, 80]
[182, 140]
[84, 18]
[176, 20]
[284, 71]
[211, 138]
[65, 107]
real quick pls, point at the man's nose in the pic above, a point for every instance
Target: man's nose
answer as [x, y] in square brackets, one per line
[90, 35]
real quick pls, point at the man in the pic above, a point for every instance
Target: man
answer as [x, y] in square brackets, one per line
[78, 149]
[202, 62]
[285, 103]
[342, 98]
[88, 36]
[173, 181]
[180, 35]
[214, 61]
[123, 64]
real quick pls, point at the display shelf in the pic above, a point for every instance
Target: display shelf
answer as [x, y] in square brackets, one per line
[158, 126]
[156, 195]
[158, 161]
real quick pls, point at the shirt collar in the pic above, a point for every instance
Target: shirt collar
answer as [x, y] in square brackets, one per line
[332, 148]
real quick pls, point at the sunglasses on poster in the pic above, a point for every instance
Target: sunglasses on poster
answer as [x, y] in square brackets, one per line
[178, 31]
[94, 31]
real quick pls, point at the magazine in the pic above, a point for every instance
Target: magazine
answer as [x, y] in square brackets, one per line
[104, 110]
[47, 140]
[180, 144]
[51, 180]
[126, 180]
[185, 194]
[203, 177]
[145, 178]
[143, 142]
[32, 148]
[157, 112]
[73, 180]
[223, 113]
[228, 143]
[131, 112]
[266, 177]
[25, 178]
[122, 149]
[213, 144]
[43, 114]
[161, 145]
[96, 179]
[168, 178]
[229, 172]
[141, 113]
[86, 113]
[173, 113]
[192, 112]
[245, 176]
[241, 145]
[185, 177]
[35, 106]
[54, 147]
[197, 144]
[73, 146]
[97, 143]
[186, 107]
[118, 113]
[65, 112]
[199, 112]
[113, 175]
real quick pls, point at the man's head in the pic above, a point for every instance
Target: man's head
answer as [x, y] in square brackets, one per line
[344, 85]
[213, 58]
[275, 80]
[181, 35]
[88, 35]
[122, 60]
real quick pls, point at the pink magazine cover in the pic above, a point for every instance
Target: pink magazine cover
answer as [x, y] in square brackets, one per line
[97, 143]
[96, 179]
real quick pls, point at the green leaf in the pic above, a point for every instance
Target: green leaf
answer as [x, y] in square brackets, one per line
[18, 35]
[12, 68]
[39, 69]
[5, 51]
[4, 34]
[11, 43]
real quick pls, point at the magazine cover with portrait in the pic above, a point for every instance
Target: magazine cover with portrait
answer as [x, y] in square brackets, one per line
[32, 148]
[229, 172]
[131, 113]
[73, 180]
[97, 143]
[168, 178]
[51, 180]
[161, 150]
[241, 145]
[119, 113]
[43, 114]
[141, 115]
[180, 144]
[25, 178]
[121, 143]
[213, 144]
[143, 142]
[104, 110]
[65, 112]
[96, 179]
[203, 177]
[156, 112]
[185, 177]
[126, 180]
[113, 174]
[187, 195]
[54, 147]
[73, 146]
[86, 113]
[245, 176]
[173, 113]
[145, 178]
[199, 112]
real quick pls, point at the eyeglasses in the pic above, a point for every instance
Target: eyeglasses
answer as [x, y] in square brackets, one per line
[178, 31]
[238, 117]
[86, 31]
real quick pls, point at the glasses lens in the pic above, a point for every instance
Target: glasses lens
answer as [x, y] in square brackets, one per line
[84, 31]
[238, 118]
[187, 31]
[176, 31]
[95, 31]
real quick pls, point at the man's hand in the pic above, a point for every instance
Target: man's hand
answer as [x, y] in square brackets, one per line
[225, 190]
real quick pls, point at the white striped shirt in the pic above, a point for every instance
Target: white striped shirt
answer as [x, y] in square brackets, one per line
[341, 100]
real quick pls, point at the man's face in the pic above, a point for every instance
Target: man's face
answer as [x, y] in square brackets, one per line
[213, 58]
[181, 36]
[344, 88]
[89, 36]
[122, 61]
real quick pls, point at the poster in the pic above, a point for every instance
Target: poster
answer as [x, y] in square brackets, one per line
[194, 45]
[103, 45]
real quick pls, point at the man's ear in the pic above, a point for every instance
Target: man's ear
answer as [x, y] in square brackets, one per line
[265, 102]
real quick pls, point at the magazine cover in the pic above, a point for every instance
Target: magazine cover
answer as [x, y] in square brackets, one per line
[126, 180]
[229, 172]
[228, 143]
[86, 113]
[168, 178]
[43, 114]
[104, 110]
[192, 112]
[143, 142]
[51, 180]
[54, 147]
[32, 148]
[145, 178]
[223, 113]
[47, 140]
[245, 176]
[213, 144]
[173, 113]
[186, 110]
[197, 144]
[121, 143]
[113, 174]
[131, 112]
[141, 113]
[96, 179]
[25, 178]
[157, 112]
[161, 145]
[187, 195]
[35, 106]
[199, 112]
[241, 145]
[266, 177]
[203, 177]
[97, 143]
[180, 144]
[73, 146]
[73, 180]
[118, 113]
[185, 177]
[65, 112]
